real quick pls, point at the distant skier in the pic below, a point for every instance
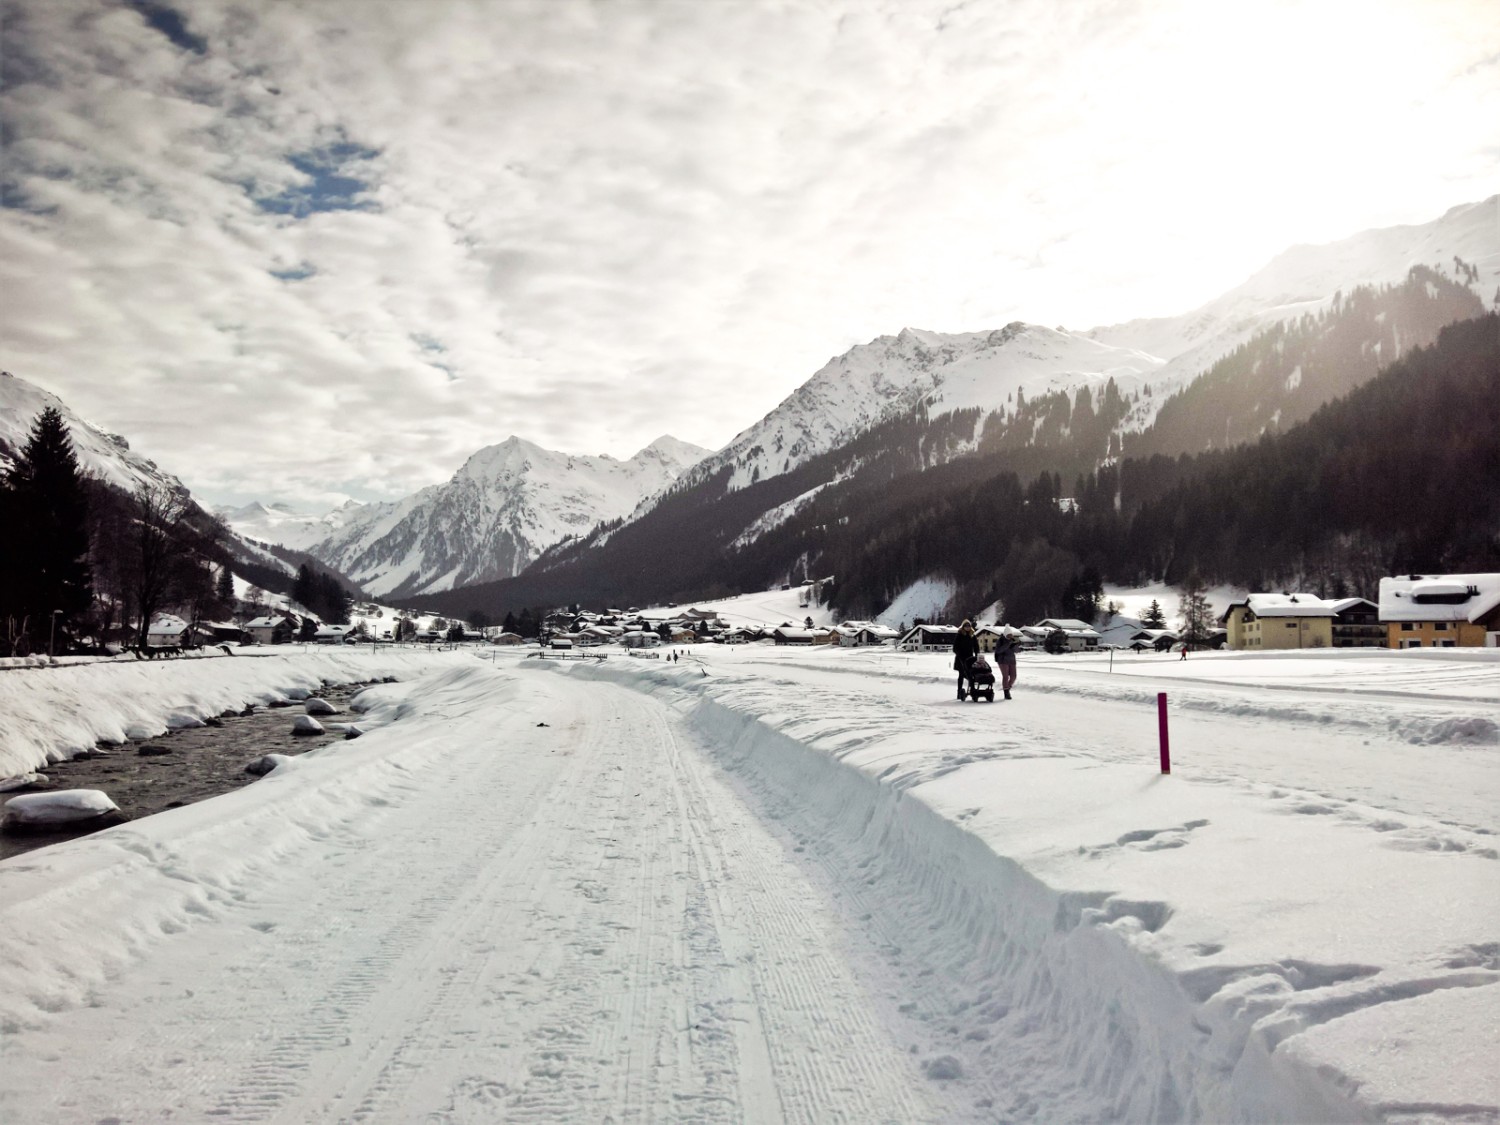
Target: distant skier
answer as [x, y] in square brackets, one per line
[1005, 656]
[965, 651]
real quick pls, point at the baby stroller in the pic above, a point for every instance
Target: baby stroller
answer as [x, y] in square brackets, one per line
[981, 680]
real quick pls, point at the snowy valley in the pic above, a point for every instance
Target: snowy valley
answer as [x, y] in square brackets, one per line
[773, 884]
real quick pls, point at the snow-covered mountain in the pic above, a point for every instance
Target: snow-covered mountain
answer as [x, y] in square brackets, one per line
[280, 523]
[101, 454]
[507, 504]
[943, 372]
[1464, 244]
[952, 371]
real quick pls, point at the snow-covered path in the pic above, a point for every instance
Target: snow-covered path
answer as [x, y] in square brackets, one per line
[777, 885]
[562, 923]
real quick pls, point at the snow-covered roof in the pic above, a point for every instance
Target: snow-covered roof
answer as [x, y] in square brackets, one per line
[167, 623]
[1067, 625]
[1343, 605]
[1285, 605]
[1438, 597]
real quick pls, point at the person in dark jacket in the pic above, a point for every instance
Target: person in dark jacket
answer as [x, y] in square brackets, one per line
[1005, 656]
[965, 651]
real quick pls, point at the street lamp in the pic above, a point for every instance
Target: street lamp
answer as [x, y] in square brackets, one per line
[52, 636]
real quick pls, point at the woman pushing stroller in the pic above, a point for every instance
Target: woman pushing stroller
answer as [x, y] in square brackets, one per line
[974, 671]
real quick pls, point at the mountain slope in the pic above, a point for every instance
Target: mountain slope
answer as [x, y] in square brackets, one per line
[1029, 401]
[1464, 243]
[503, 507]
[278, 523]
[892, 375]
[109, 458]
[100, 454]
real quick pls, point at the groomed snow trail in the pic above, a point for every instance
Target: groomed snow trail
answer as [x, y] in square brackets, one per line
[499, 920]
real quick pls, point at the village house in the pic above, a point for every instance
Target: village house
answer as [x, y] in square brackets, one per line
[788, 635]
[167, 630]
[861, 634]
[1080, 635]
[1441, 610]
[333, 634]
[276, 629]
[989, 636]
[928, 638]
[1280, 621]
[502, 637]
[1356, 624]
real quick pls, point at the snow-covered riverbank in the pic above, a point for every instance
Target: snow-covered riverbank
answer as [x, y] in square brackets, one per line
[47, 714]
[797, 885]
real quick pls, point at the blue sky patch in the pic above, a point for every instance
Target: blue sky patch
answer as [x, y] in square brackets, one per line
[168, 21]
[335, 181]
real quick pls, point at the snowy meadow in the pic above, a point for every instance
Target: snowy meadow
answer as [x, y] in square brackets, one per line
[777, 884]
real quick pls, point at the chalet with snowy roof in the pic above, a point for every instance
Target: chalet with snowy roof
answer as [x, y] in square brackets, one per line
[333, 634]
[1280, 621]
[928, 638]
[276, 629]
[1080, 635]
[167, 630]
[216, 632]
[1441, 610]
[788, 635]
[504, 637]
[1356, 624]
[862, 634]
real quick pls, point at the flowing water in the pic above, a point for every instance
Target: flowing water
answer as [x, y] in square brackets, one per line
[198, 763]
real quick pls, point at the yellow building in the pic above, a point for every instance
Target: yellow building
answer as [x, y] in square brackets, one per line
[1441, 610]
[1280, 621]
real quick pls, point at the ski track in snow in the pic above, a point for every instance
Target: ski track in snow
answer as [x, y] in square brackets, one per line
[757, 887]
[583, 923]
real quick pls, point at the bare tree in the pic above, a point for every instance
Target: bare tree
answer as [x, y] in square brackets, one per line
[160, 512]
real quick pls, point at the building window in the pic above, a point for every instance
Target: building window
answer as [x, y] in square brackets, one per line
[1407, 626]
[1441, 626]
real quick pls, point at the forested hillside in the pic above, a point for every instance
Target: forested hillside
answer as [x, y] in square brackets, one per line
[1402, 474]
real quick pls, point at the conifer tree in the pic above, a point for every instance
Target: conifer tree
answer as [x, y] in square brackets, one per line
[44, 565]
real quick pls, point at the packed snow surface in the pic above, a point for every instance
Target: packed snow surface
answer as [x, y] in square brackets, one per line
[797, 885]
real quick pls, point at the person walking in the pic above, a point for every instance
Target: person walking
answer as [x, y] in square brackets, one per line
[965, 651]
[1005, 656]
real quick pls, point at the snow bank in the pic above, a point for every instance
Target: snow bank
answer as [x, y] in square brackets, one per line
[49, 714]
[77, 915]
[1173, 948]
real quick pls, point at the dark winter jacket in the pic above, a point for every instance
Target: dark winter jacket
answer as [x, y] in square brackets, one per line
[1005, 650]
[965, 649]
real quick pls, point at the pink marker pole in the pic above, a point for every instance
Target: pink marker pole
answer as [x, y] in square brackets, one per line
[1161, 724]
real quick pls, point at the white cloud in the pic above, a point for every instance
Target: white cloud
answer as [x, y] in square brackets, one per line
[590, 224]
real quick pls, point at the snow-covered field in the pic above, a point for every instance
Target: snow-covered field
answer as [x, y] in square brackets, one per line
[796, 885]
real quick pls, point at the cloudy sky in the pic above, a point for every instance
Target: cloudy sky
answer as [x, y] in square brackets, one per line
[309, 250]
